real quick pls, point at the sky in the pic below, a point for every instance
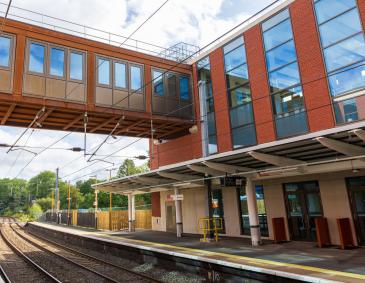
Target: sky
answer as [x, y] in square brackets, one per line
[192, 21]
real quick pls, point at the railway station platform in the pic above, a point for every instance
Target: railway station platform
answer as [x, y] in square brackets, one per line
[295, 260]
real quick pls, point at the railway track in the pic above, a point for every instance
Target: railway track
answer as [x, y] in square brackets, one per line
[101, 269]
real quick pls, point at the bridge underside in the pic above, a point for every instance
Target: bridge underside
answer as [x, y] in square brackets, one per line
[53, 117]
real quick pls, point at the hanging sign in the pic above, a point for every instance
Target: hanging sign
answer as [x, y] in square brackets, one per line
[232, 181]
[174, 197]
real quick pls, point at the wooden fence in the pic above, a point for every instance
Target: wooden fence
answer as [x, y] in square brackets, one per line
[119, 219]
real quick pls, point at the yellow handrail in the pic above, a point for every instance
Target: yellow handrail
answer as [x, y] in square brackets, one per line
[206, 224]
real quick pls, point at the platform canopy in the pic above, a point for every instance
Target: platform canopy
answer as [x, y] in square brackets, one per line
[333, 150]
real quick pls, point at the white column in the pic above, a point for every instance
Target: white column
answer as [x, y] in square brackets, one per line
[252, 213]
[131, 213]
[178, 210]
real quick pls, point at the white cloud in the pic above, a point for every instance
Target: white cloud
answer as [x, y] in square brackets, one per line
[191, 21]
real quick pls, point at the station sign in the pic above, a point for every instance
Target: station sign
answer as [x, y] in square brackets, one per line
[175, 197]
[232, 181]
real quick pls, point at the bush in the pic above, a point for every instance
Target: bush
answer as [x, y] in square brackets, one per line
[35, 211]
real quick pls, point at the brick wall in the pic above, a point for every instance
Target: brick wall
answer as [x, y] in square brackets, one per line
[259, 85]
[311, 65]
[223, 126]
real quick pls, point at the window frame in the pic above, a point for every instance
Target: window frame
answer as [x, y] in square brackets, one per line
[11, 51]
[45, 61]
[84, 65]
[270, 91]
[333, 72]
[141, 89]
[232, 88]
[97, 68]
[122, 62]
[65, 59]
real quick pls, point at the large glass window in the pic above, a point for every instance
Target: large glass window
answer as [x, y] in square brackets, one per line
[205, 76]
[158, 86]
[103, 68]
[76, 66]
[171, 85]
[239, 94]
[57, 62]
[136, 78]
[5, 45]
[284, 76]
[36, 57]
[343, 45]
[120, 75]
[184, 88]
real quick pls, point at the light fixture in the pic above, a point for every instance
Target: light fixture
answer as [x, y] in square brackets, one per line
[193, 129]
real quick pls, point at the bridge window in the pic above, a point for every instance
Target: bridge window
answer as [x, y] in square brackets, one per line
[36, 58]
[158, 86]
[136, 78]
[103, 68]
[184, 88]
[5, 45]
[76, 66]
[120, 75]
[57, 62]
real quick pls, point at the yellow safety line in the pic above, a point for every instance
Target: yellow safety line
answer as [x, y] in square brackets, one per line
[250, 259]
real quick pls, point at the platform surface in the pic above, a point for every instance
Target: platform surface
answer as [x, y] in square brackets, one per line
[297, 260]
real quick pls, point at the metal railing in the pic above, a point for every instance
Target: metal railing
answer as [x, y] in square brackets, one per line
[176, 53]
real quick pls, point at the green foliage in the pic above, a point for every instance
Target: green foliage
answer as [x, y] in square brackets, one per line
[34, 196]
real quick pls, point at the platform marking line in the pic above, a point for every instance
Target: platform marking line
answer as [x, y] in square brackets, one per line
[248, 259]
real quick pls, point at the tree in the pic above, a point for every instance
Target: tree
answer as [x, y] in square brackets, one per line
[41, 185]
[128, 168]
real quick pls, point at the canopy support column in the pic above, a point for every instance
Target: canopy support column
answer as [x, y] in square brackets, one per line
[178, 209]
[252, 213]
[131, 213]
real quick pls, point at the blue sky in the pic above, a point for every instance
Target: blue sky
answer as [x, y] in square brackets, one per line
[191, 21]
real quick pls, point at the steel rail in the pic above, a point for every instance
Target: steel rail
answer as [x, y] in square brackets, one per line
[74, 262]
[145, 276]
[28, 259]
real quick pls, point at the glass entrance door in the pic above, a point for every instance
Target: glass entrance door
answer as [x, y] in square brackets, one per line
[356, 187]
[303, 204]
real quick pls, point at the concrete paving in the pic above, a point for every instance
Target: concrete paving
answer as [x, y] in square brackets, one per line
[299, 260]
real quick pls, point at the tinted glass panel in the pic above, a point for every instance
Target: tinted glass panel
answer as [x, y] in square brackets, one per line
[184, 88]
[235, 58]
[340, 28]
[275, 20]
[241, 115]
[5, 44]
[76, 66]
[284, 77]
[210, 105]
[211, 123]
[291, 124]
[345, 53]
[120, 78]
[103, 68]
[244, 136]
[158, 83]
[136, 78]
[288, 101]
[282, 55]
[212, 145]
[240, 95]
[36, 58]
[327, 9]
[203, 62]
[233, 44]
[278, 35]
[237, 77]
[346, 111]
[57, 64]
[171, 85]
[347, 80]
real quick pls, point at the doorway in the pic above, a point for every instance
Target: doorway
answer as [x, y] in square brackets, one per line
[356, 189]
[170, 217]
[303, 205]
